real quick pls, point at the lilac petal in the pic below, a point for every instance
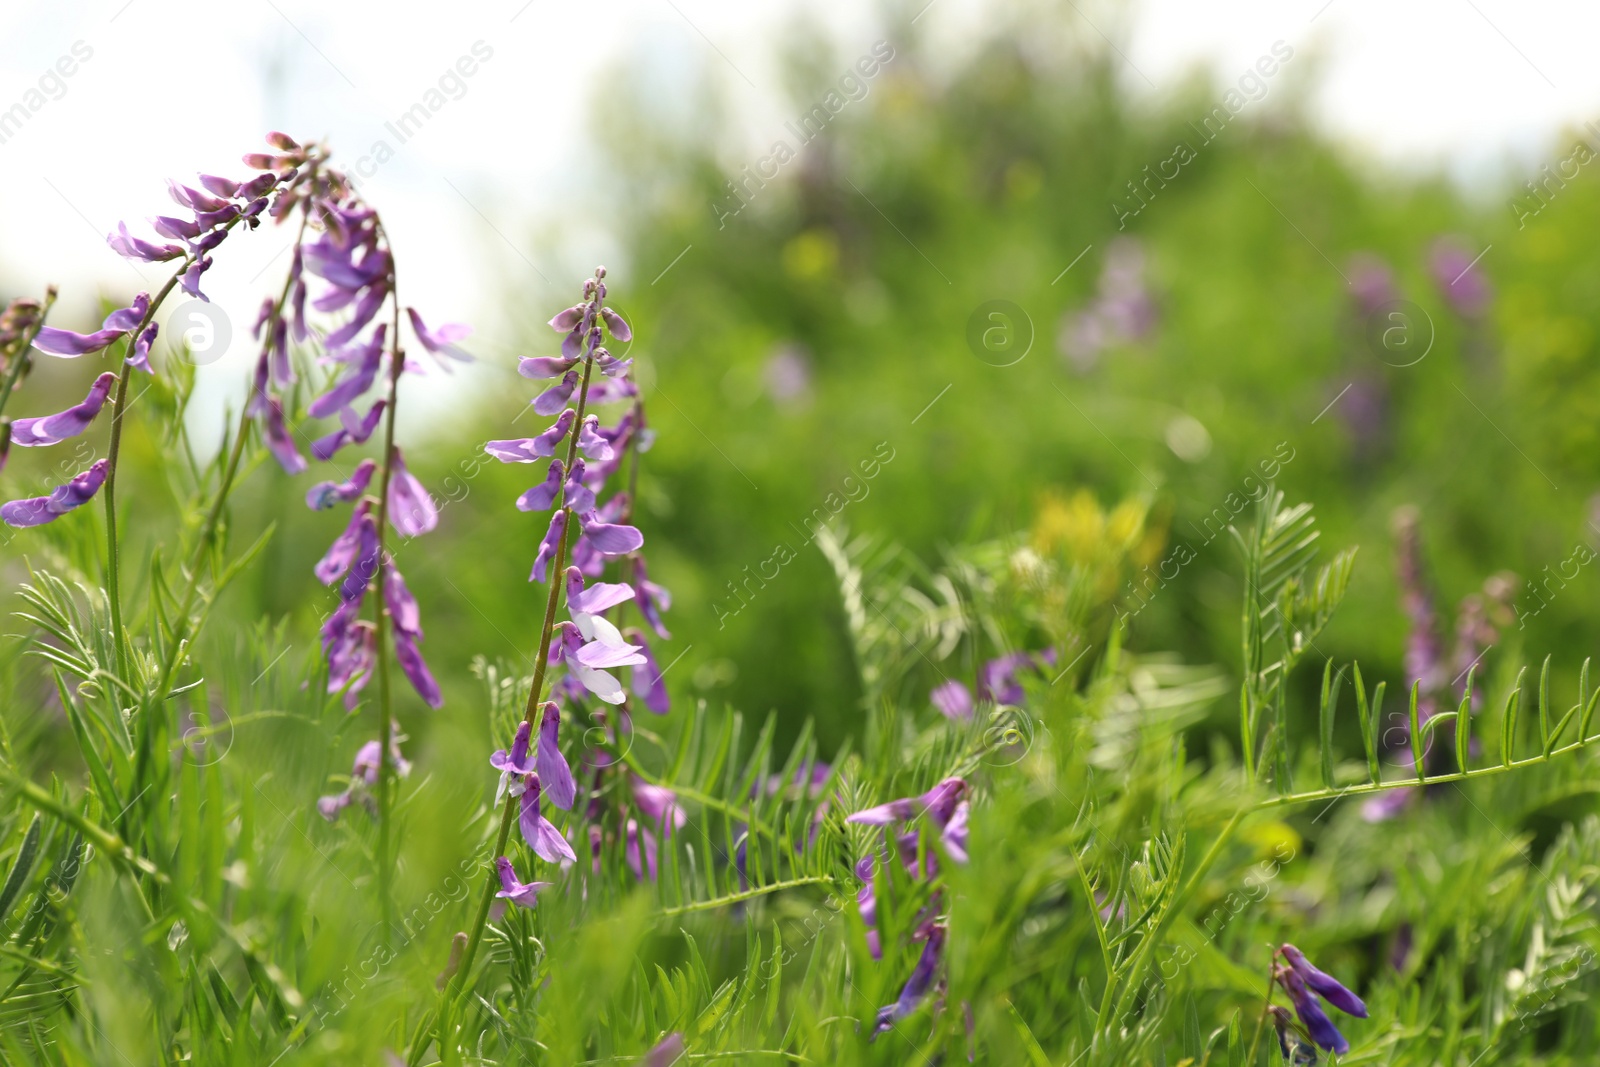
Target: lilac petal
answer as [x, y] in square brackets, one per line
[555, 398]
[598, 655]
[598, 682]
[53, 429]
[1316, 1021]
[552, 765]
[140, 356]
[411, 663]
[411, 509]
[325, 495]
[219, 186]
[279, 443]
[190, 282]
[329, 807]
[916, 987]
[65, 343]
[524, 894]
[516, 761]
[641, 859]
[351, 649]
[614, 322]
[177, 229]
[36, 511]
[612, 540]
[646, 678]
[542, 496]
[130, 317]
[953, 699]
[128, 246]
[577, 495]
[667, 1052]
[568, 319]
[342, 552]
[653, 600]
[659, 805]
[572, 344]
[1328, 986]
[543, 366]
[365, 766]
[371, 301]
[541, 836]
[364, 561]
[595, 598]
[401, 603]
[955, 834]
[441, 340]
[591, 442]
[354, 431]
[194, 199]
[366, 360]
[547, 547]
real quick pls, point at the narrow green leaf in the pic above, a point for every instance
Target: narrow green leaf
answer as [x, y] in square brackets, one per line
[1508, 721]
[1588, 714]
[1560, 728]
[1416, 733]
[1544, 705]
[1328, 710]
[1464, 725]
[23, 867]
[1369, 740]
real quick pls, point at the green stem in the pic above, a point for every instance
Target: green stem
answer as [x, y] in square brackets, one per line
[446, 1028]
[385, 709]
[20, 358]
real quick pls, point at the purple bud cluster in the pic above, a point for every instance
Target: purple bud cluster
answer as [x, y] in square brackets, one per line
[945, 807]
[589, 643]
[1308, 988]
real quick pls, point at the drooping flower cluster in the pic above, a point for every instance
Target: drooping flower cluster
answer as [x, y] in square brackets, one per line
[1438, 680]
[945, 807]
[997, 684]
[581, 455]
[1308, 988]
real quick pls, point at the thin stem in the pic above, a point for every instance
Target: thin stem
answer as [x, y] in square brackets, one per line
[385, 709]
[20, 358]
[1266, 1007]
[446, 1029]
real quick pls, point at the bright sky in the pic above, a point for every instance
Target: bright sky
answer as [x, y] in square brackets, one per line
[488, 199]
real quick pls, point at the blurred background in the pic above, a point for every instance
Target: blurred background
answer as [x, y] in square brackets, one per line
[931, 272]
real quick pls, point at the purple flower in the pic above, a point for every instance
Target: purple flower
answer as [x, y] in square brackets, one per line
[549, 546]
[646, 678]
[608, 539]
[552, 765]
[523, 894]
[411, 509]
[955, 834]
[668, 1051]
[53, 429]
[939, 803]
[997, 681]
[540, 834]
[190, 282]
[542, 496]
[131, 247]
[566, 321]
[325, 495]
[415, 669]
[363, 776]
[140, 355]
[516, 761]
[592, 600]
[1316, 1021]
[533, 449]
[591, 442]
[659, 805]
[577, 495]
[68, 345]
[953, 699]
[1328, 987]
[1459, 278]
[1371, 283]
[653, 600]
[36, 511]
[618, 328]
[350, 645]
[538, 367]
[641, 851]
[279, 443]
[440, 341]
[588, 660]
[555, 398]
[365, 362]
[352, 431]
[916, 987]
[867, 903]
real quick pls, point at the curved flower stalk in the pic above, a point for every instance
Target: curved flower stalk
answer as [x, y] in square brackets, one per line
[945, 807]
[583, 536]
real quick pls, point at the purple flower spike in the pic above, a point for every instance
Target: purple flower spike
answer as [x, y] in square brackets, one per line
[953, 699]
[555, 398]
[53, 429]
[611, 540]
[552, 765]
[516, 761]
[548, 547]
[411, 509]
[415, 668]
[646, 678]
[1316, 1021]
[591, 442]
[540, 834]
[36, 511]
[128, 246]
[1329, 987]
[523, 894]
[279, 443]
[325, 495]
[440, 341]
[355, 430]
[542, 496]
[544, 367]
